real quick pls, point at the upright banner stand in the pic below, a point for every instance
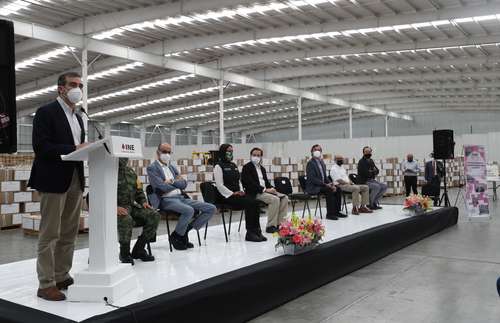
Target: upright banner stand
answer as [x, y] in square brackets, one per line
[476, 184]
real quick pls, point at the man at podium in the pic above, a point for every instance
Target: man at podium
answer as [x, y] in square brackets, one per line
[133, 209]
[58, 130]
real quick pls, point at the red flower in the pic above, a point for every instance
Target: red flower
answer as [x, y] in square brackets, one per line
[284, 232]
[297, 239]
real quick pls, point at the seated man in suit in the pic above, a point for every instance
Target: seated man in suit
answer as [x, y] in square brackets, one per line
[256, 185]
[133, 208]
[434, 170]
[367, 171]
[319, 183]
[168, 185]
[360, 195]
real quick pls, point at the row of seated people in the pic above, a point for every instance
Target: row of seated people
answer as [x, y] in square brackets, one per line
[247, 191]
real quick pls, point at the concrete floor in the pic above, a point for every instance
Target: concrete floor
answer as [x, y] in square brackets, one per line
[448, 277]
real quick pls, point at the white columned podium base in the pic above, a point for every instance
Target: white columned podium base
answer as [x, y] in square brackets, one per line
[105, 277]
[95, 286]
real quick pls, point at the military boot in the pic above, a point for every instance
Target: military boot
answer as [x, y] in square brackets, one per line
[125, 256]
[139, 252]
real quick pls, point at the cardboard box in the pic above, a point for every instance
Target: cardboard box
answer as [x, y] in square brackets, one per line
[197, 162]
[31, 207]
[22, 175]
[10, 186]
[23, 197]
[6, 197]
[31, 222]
[17, 218]
[9, 208]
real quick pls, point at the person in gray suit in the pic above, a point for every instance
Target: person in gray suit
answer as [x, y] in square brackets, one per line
[168, 185]
[317, 182]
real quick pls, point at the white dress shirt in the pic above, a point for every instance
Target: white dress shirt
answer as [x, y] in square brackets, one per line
[261, 177]
[339, 173]
[72, 120]
[169, 176]
[219, 182]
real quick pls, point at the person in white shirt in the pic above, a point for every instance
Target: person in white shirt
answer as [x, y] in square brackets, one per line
[168, 185]
[411, 171]
[227, 181]
[360, 193]
[256, 184]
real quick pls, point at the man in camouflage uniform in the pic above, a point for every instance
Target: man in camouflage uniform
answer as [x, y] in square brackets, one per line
[133, 210]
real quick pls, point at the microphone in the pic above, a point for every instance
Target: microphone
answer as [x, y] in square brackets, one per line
[100, 136]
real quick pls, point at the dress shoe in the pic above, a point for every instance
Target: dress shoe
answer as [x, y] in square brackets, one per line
[376, 207]
[355, 211]
[262, 237]
[65, 284]
[332, 217]
[253, 236]
[178, 241]
[364, 209]
[272, 229]
[342, 215]
[51, 294]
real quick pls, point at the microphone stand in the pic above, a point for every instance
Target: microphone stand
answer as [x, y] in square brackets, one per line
[99, 134]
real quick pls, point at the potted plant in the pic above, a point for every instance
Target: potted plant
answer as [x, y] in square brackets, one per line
[417, 204]
[298, 235]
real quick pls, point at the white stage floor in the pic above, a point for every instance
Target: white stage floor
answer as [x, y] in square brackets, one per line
[174, 270]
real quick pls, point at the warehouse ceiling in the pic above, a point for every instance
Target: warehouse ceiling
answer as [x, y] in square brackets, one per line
[401, 57]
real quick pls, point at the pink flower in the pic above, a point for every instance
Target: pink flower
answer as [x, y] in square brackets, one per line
[284, 232]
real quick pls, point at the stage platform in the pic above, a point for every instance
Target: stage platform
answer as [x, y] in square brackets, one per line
[225, 282]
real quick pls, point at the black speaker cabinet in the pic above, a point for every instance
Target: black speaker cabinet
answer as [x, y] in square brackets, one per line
[8, 122]
[444, 145]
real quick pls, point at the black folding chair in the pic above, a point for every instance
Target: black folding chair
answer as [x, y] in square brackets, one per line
[210, 195]
[317, 197]
[283, 185]
[169, 213]
[345, 195]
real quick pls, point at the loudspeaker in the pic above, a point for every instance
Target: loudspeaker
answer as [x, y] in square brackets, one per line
[444, 146]
[8, 121]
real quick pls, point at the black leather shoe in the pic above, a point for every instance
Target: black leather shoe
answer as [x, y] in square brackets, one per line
[138, 252]
[65, 284]
[262, 237]
[332, 217]
[252, 236]
[272, 229]
[342, 215]
[125, 256]
[375, 207]
[178, 241]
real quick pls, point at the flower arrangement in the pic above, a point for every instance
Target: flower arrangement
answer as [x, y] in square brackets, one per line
[417, 203]
[300, 231]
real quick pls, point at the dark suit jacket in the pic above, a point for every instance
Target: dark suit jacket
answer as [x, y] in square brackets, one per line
[429, 171]
[52, 137]
[366, 170]
[250, 179]
[315, 181]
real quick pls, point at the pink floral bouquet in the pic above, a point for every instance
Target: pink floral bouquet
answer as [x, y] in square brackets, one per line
[300, 231]
[417, 203]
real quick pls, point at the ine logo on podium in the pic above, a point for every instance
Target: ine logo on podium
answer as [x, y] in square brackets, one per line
[128, 148]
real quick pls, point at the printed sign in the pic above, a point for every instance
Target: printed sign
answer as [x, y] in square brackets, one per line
[476, 188]
[126, 147]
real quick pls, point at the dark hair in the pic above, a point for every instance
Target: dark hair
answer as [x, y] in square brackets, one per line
[363, 151]
[257, 148]
[61, 80]
[223, 148]
[315, 146]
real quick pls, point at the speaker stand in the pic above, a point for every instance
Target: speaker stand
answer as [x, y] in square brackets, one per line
[445, 197]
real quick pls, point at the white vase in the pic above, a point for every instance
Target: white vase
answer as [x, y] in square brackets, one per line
[292, 249]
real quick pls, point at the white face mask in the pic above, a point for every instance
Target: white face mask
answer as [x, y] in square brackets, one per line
[317, 153]
[165, 158]
[255, 159]
[74, 95]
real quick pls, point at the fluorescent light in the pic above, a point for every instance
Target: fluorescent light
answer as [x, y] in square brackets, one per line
[91, 77]
[240, 11]
[42, 58]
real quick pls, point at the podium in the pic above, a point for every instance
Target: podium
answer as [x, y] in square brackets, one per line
[105, 275]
